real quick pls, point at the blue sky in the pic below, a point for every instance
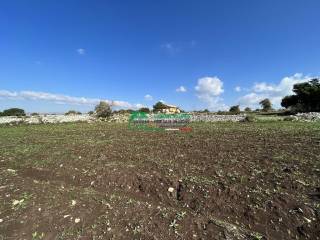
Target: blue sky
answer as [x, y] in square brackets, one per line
[61, 55]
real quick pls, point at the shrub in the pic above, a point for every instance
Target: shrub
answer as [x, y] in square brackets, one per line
[250, 118]
[72, 112]
[144, 109]
[235, 109]
[103, 110]
[14, 112]
[34, 114]
[91, 112]
[266, 105]
[247, 109]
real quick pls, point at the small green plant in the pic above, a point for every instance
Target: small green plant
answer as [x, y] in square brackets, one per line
[256, 236]
[181, 215]
[37, 236]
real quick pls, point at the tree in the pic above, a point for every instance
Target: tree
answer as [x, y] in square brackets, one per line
[72, 112]
[235, 109]
[13, 112]
[144, 109]
[158, 106]
[247, 109]
[206, 111]
[103, 110]
[306, 98]
[266, 105]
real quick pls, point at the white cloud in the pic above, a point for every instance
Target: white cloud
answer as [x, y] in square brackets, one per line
[139, 105]
[148, 97]
[237, 89]
[181, 89]
[208, 90]
[275, 92]
[61, 99]
[81, 51]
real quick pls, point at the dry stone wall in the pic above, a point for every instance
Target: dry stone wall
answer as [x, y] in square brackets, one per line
[217, 118]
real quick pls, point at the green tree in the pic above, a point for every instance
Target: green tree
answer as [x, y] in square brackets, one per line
[13, 112]
[247, 109]
[72, 112]
[144, 109]
[266, 105]
[235, 109]
[158, 106]
[306, 98]
[103, 110]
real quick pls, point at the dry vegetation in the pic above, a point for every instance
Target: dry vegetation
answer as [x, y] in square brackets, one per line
[103, 181]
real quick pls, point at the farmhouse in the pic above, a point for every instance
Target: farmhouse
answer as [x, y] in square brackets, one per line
[166, 108]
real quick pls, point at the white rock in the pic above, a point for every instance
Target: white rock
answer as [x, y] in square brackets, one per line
[77, 220]
[170, 189]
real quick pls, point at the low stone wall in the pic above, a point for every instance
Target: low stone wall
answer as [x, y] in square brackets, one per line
[118, 118]
[310, 116]
[47, 119]
[217, 118]
[124, 118]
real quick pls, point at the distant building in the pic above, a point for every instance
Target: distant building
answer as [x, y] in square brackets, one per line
[166, 108]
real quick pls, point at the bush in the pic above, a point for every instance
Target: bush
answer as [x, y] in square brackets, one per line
[103, 110]
[144, 109]
[266, 105]
[250, 118]
[247, 109]
[72, 112]
[13, 112]
[235, 109]
[34, 114]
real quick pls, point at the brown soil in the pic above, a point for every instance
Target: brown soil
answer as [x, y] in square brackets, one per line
[230, 181]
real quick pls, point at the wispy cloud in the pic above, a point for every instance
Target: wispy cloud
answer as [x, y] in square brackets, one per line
[208, 90]
[148, 97]
[237, 89]
[173, 48]
[61, 99]
[81, 51]
[181, 89]
[170, 48]
[275, 92]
